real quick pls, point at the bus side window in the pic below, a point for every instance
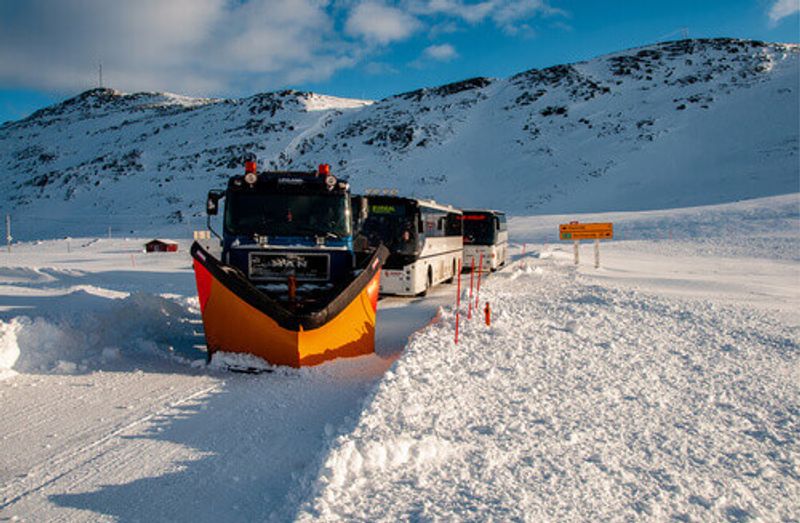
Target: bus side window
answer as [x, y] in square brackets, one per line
[440, 224]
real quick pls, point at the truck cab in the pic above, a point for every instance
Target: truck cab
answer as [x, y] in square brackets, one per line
[288, 228]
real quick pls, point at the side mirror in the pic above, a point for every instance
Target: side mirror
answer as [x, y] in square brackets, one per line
[360, 205]
[212, 203]
[497, 223]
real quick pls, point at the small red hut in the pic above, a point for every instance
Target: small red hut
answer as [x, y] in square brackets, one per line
[161, 246]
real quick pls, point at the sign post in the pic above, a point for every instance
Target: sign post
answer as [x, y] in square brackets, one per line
[596, 253]
[576, 232]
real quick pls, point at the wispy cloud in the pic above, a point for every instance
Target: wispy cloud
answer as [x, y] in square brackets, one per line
[380, 23]
[440, 53]
[781, 9]
[511, 16]
[434, 54]
[379, 68]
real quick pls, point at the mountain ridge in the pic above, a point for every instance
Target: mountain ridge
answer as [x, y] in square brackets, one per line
[573, 137]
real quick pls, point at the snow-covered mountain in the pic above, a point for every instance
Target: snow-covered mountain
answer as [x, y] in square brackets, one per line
[674, 124]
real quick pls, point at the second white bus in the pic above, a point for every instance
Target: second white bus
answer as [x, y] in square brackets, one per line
[424, 240]
[485, 232]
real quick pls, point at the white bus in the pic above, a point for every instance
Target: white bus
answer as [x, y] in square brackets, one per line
[424, 240]
[485, 232]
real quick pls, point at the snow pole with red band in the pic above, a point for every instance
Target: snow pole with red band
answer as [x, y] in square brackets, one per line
[458, 300]
[471, 276]
[478, 290]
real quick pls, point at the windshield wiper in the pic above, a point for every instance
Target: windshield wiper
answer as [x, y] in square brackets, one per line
[315, 232]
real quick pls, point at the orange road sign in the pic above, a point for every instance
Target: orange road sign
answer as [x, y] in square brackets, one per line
[586, 231]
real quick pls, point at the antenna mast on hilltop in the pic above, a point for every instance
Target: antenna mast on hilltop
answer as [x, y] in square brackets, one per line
[683, 31]
[8, 232]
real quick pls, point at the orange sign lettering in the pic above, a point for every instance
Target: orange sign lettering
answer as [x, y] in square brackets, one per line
[586, 231]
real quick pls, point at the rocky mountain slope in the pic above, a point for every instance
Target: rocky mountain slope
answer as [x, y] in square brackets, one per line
[682, 123]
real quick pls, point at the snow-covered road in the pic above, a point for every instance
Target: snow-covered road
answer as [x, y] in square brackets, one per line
[112, 414]
[665, 385]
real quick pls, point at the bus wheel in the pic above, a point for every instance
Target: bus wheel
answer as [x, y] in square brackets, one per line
[428, 283]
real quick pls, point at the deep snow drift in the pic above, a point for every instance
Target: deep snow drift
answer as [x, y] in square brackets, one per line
[664, 385]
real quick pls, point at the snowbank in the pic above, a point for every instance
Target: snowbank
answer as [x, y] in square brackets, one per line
[583, 401]
[88, 333]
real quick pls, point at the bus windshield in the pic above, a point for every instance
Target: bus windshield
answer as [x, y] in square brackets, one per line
[288, 214]
[479, 229]
[394, 225]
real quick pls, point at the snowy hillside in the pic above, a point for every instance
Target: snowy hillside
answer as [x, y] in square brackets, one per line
[674, 124]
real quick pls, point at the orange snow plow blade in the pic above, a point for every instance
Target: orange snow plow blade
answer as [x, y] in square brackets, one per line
[238, 317]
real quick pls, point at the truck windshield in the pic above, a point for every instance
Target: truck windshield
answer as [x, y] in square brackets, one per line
[394, 225]
[288, 214]
[478, 229]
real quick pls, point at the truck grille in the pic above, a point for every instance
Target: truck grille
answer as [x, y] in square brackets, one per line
[278, 266]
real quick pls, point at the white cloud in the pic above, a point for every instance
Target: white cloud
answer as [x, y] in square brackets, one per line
[441, 53]
[471, 13]
[379, 23]
[509, 15]
[225, 47]
[188, 46]
[783, 8]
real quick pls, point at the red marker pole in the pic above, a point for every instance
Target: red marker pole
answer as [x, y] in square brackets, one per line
[478, 291]
[458, 300]
[471, 275]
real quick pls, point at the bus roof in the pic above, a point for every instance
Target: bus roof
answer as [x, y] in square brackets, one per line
[489, 211]
[418, 201]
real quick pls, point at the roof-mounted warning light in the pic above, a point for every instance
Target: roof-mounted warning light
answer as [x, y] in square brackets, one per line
[324, 169]
[250, 175]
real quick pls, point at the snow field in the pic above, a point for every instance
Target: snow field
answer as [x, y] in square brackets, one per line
[664, 385]
[585, 400]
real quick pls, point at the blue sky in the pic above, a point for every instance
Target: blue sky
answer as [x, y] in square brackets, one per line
[50, 49]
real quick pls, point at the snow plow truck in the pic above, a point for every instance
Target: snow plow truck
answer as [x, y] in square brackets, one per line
[288, 284]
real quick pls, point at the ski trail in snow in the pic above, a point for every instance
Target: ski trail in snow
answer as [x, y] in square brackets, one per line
[62, 465]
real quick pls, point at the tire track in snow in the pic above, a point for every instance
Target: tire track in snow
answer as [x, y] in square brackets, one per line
[68, 462]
